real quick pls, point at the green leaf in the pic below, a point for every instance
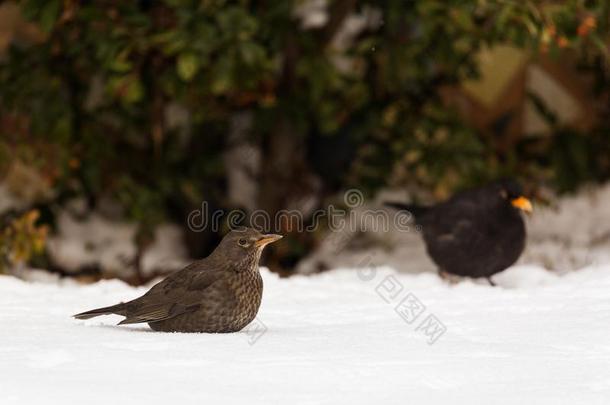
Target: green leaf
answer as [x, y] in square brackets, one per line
[251, 52]
[121, 64]
[128, 88]
[48, 15]
[187, 66]
[134, 91]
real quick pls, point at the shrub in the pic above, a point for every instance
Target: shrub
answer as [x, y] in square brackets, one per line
[89, 96]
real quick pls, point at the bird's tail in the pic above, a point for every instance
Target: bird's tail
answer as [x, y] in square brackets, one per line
[118, 309]
[414, 209]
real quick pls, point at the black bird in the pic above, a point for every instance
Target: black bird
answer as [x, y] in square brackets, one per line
[476, 233]
[221, 293]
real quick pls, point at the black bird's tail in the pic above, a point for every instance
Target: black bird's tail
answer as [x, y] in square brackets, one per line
[415, 210]
[118, 309]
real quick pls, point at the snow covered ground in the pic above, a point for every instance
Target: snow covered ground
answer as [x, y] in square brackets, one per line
[347, 336]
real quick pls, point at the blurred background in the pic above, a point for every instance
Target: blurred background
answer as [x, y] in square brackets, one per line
[119, 118]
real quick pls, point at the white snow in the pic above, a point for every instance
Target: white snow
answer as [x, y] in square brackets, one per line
[96, 241]
[333, 338]
[83, 243]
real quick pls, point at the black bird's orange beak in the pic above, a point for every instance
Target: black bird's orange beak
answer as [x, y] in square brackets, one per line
[523, 204]
[267, 239]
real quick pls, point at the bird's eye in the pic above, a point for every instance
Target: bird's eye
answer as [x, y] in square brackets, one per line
[242, 242]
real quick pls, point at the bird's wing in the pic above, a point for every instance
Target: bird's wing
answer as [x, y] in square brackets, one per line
[179, 293]
[454, 227]
[157, 312]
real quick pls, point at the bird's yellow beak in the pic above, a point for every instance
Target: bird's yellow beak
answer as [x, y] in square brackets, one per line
[523, 204]
[267, 239]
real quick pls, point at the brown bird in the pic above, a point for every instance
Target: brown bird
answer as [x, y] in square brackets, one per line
[221, 293]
